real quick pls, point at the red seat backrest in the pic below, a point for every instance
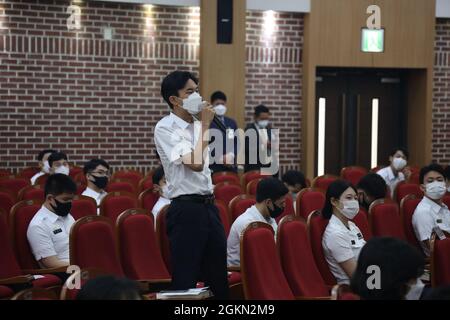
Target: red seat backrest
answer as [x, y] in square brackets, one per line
[404, 188]
[407, 207]
[139, 252]
[353, 174]
[21, 215]
[440, 261]
[446, 199]
[14, 185]
[134, 177]
[288, 208]
[114, 203]
[145, 183]
[74, 171]
[239, 204]
[362, 222]
[220, 177]
[162, 237]
[226, 191]
[309, 200]
[120, 186]
[262, 275]
[322, 182]
[297, 260]
[224, 216]
[8, 267]
[251, 186]
[28, 173]
[42, 180]
[148, 199]
[249, 176]
[83, 206]
[384, 219]
[6, 203]
[316, 227]
[32, 192]
[4, 173]
[92, 245]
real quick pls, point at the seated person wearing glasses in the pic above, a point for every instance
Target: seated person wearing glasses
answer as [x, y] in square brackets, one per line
[97, 176]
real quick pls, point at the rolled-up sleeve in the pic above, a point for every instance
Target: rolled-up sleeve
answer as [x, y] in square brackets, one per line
[171, 144]
[40, 242]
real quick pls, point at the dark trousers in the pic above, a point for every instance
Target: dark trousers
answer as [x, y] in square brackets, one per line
[198, 247]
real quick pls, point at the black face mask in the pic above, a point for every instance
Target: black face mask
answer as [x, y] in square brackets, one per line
[100, 182]
[62, 209]
[276, 211]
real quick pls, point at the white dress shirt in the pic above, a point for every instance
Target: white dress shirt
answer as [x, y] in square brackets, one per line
[97, 196]
[252, 214]
[427, 216]
[175, 138]
[36, 176]
[48, 235]
[161, 203]
[341, 244]
[391, 180]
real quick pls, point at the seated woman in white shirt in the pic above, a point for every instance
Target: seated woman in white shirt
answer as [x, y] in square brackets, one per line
[342, 239]
[48, 231]
[397, 170]
[270, 201]
[43, 164]
[160, 187]
[97, 175]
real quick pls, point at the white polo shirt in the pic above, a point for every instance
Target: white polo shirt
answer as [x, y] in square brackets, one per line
[341, 244]
[252, 214]
[36, 176]
[48, 235]
[390, 179]
[161, 203]
[428, 215]
[97, 196]
[175, 138]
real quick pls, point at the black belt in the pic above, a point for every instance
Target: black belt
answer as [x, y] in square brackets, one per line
[198, 198]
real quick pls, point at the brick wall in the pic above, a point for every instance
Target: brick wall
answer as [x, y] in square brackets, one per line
[84, 95]
[441, 96]
[274, 77]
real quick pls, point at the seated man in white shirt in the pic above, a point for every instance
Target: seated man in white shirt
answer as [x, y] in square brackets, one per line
[431, 212]
[48, 231]
[396, 171]
[295, 181]
[342, 239]
[58, 163]
[160, 186]
[97, 176]
[270, 201]
[43, 164]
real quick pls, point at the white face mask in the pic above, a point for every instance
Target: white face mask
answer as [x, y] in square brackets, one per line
[435, 190]
[46, 167]
[165, 191]
[62, 169]
[263, 123]
[220, 110]
[399, 163]
[351, 208]
[193, 104]
[415, 290]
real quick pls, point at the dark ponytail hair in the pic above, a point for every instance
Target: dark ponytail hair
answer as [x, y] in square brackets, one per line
[335, 190]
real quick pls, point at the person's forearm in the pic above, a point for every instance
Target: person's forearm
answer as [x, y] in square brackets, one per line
[196, 159]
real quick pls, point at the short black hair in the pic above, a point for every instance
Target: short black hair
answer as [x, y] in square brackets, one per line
[261, 109]
[218, 95]
[91, 165]
[398, 262]
[109, 288]
[394, 151]
[335, 190]
[59, 183]
[431, 167]
[43, 153]
[158, 174]
[270, 188]
[293, 177]
[373, 185]
[56, 156]
[174, 82]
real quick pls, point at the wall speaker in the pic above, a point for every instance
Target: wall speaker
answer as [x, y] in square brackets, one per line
[225, 21]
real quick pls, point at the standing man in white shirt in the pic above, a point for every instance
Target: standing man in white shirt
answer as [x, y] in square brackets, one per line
[431, 212]
[270, 201]
[43, 164]
[396, 171]
[160, 186]
[196, 234]
[97, 175]
[48, 231]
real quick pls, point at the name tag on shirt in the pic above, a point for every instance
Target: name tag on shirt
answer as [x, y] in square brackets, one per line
[439, 221]
[359, 236]
[57, 231]
[353, 242]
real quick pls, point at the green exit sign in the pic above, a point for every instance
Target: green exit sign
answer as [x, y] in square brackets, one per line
[372, 40]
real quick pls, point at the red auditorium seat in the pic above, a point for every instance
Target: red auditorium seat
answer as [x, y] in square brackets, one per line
[404, 188]
[251, 175]
[74, 171]
[6, 203]
[225, 176]
[297, 260]
[114, 203]
[407, 207]
[148, 198]
[353, 174]
[13, 184]
[316, 227]
[132, 176]
[83, 206]
[5, 292]
[80, 178]
[322, 182]
[239, 204]
[31, 192]
[224, 216]
[288, 208]
[35, 294]
[138, 248]
[120, 186]
[162, 237]
[440, 260]
[5, 173]
[309, 200]
[226, 191]
[362, 222]
[80, 188]
[252, 185]
[446, 199]
[262, 275]
[384, 219]
[41, 180]
[28, 173]
[145, 184]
